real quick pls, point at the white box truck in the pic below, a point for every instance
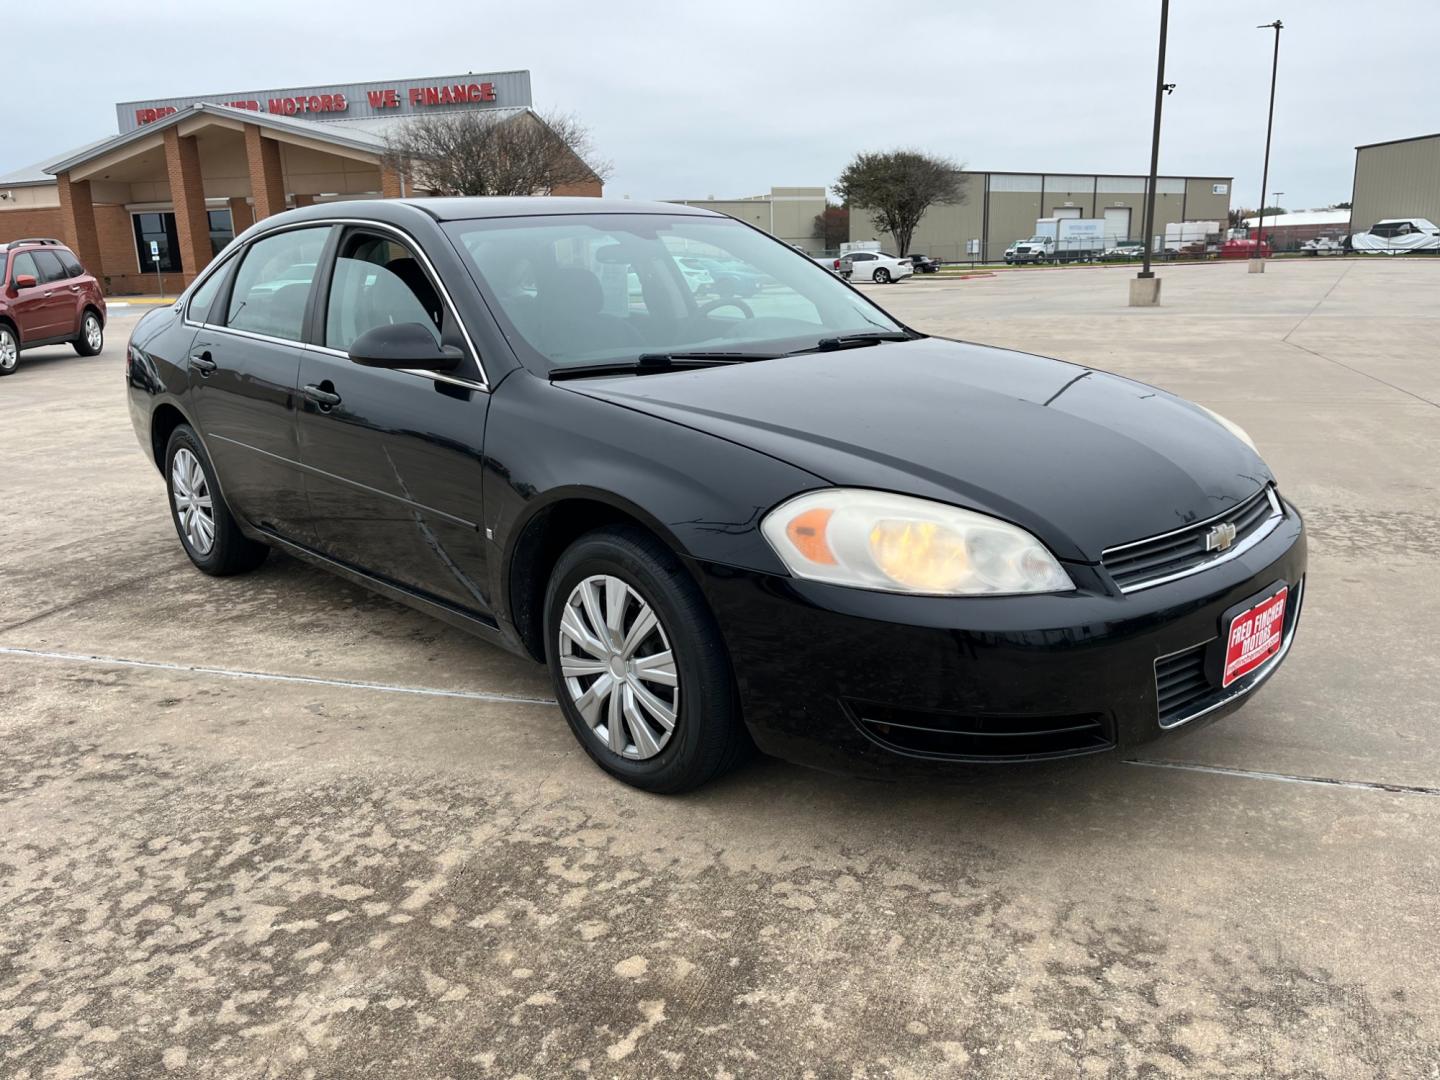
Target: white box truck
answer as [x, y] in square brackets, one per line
[1060, 240]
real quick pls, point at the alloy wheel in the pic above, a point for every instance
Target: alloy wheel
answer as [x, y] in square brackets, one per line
[9, 351]
[93, 336]
[190, 492]
[618, 667]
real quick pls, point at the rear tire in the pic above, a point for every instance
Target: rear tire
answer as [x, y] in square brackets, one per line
[92, 335]
[882, 276]
[596, 657]
[206, 528]
[9, 350]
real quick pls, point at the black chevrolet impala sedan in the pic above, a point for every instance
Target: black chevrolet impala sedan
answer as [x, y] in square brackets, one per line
[785, 520]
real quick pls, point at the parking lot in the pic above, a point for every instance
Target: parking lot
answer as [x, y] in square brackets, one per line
[276, 826]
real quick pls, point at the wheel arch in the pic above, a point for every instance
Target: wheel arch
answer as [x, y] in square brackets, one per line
[542, 536]
[163, 422]
[14, 328]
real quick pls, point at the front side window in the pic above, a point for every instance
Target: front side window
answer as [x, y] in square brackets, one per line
[378, 282]
[273, 284]
[157, 229]
[593, 288]
[204, 298]
[24, 264]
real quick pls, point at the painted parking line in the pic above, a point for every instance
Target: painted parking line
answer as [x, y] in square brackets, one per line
[1288, 778]
[268, 676]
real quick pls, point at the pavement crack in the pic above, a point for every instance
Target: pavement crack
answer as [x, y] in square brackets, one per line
[1290, 778]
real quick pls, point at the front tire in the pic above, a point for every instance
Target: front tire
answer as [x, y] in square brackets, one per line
[206, 528]
[882, 276]
[9, 350]
[638, 663]
[92, 335]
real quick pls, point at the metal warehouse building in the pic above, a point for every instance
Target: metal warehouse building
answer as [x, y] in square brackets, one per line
[1396, 179]
[1002, 207]
[786, 212]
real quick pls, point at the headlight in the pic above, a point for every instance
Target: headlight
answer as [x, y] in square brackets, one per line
[1229, 425]
[896, 543]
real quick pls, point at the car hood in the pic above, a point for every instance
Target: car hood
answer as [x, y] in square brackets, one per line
[1082, 458]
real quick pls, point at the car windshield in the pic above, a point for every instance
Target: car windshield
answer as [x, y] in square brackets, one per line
[607, 288]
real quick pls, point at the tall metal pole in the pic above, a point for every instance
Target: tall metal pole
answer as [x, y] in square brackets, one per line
[1145, 271]
[1277, 26]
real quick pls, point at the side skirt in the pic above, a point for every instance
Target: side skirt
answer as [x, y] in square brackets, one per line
[482, 626]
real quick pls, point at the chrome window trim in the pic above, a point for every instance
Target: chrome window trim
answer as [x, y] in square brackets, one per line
[437, 376]
[1251, 682]
[411, 242]
[1266, 527]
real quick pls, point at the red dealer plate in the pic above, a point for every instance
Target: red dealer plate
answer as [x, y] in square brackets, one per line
[1254, 637]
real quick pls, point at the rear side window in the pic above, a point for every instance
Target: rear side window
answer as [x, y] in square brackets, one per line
[273, 284]
[50, 268]
[71, 264]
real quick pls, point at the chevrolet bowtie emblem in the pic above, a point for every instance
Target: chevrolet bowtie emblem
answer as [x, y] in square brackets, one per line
[1220, 537]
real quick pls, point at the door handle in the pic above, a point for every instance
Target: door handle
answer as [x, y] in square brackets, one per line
[326, 399]
[202, 363]
[74, 288]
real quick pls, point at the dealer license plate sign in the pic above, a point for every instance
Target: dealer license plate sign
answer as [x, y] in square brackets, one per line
[1254, 637]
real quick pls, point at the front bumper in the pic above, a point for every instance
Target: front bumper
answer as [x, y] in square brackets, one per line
[872, 683]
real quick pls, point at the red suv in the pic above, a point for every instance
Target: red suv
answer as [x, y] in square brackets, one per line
[47, 298]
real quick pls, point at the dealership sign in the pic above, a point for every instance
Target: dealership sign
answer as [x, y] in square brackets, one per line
[352, 100]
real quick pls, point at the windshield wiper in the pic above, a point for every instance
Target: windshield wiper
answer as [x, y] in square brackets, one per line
[868, 337]
[650, 363]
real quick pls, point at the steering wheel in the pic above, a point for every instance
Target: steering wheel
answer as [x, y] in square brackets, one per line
[728, 301]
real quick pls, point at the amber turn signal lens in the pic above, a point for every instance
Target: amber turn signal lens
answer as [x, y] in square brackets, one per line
[807, 533]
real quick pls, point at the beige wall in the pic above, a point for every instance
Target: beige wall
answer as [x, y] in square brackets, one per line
[32, 197]
[1001, 208]
[1396, 180]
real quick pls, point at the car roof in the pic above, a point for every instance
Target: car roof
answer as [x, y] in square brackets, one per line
[33, 242]
[463, 208]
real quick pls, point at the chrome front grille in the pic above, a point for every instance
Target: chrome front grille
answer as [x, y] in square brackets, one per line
[1158, 559]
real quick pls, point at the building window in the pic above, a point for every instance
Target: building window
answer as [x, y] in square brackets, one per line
[158, 228]
[222, 230]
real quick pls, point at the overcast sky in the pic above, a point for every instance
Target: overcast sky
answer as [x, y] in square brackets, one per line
[690, 100]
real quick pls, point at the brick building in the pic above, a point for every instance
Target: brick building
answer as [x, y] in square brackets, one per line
[183, 176]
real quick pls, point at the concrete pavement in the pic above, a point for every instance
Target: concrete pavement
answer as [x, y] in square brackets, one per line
[221, 855]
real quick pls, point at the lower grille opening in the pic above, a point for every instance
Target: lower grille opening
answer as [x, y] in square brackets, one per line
[981, 737]
[1181, 681]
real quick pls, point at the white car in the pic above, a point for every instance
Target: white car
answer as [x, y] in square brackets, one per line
[875, 266]
[1322, 245]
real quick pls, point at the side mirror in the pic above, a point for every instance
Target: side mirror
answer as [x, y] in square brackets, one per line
[404, 345]
[25, 281]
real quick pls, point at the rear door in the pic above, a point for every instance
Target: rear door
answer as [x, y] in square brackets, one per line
[393, 458]
[64, 306]
[244, 362]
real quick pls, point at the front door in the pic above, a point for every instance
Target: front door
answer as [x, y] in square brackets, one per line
[393, 458]
[39, 309]
[244, 363]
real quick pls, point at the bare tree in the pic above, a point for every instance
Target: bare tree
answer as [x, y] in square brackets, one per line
[474, 153]
[898, 187]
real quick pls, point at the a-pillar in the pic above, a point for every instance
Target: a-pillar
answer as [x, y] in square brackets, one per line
[241, 217]
[267, 181]
[77, 219]
[187, 193]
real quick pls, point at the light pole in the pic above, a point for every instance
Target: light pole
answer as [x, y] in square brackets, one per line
[1257, 264]
[1145, 289]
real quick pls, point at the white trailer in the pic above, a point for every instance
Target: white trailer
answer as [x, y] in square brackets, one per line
[1195, 237]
